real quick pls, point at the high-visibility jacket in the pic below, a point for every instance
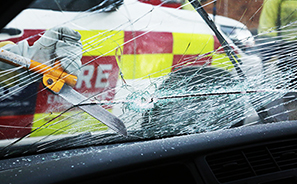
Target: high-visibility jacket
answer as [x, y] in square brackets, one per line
[278, 18]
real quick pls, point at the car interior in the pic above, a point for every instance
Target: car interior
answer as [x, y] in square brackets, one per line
[265, 153]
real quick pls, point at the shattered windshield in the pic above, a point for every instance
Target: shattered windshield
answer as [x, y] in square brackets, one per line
[76, 73]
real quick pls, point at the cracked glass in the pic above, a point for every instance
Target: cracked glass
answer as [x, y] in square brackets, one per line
[145, 70]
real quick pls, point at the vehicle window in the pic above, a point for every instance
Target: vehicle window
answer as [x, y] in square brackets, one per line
[127, 70]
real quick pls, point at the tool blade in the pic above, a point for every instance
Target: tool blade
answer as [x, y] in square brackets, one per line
[98, 112]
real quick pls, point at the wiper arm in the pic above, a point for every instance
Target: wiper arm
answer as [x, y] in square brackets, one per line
[227, 48]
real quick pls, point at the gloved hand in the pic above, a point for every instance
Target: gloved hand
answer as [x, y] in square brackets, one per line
[63, 44]
[60, 43]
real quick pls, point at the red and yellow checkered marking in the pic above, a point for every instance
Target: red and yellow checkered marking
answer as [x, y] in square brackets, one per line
[137, 55]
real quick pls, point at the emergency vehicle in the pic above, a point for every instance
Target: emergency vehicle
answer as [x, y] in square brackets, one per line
[123, 42]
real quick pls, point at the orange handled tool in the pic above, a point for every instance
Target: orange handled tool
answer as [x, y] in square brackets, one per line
[53, 77]
[61, 83]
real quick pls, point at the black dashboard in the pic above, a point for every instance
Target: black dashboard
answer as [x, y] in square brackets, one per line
[264, 154]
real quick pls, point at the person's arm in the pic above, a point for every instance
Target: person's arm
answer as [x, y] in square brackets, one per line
[59, 43]
[268, 22]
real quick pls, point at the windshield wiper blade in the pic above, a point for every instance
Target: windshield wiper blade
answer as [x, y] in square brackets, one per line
[227, 48]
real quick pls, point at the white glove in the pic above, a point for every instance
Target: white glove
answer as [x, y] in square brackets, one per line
[60, 43]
